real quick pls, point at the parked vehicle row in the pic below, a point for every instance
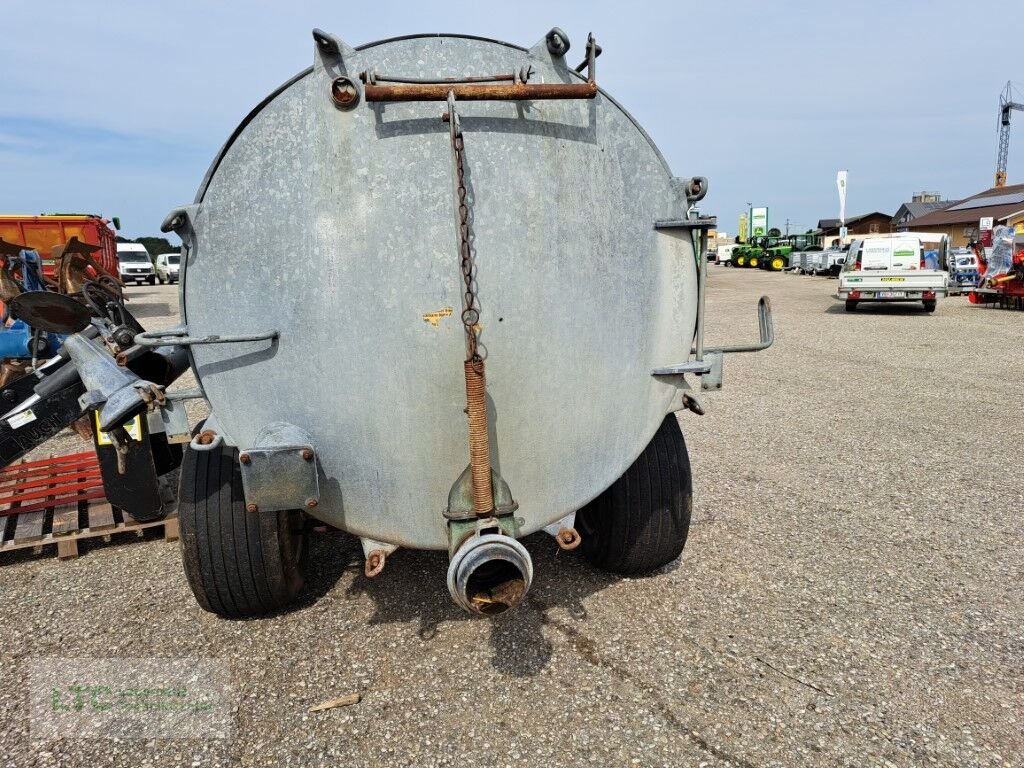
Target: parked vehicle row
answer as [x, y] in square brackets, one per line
[770, 253]
[892, 267]
[137, 266]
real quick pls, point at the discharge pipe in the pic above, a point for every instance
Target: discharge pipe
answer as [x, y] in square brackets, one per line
[490, 573]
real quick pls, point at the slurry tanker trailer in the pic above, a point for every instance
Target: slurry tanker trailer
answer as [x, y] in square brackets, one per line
[440, 292]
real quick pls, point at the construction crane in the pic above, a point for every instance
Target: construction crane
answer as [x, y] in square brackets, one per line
[1006, 104]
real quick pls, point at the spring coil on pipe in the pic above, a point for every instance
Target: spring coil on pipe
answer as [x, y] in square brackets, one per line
[479, 447]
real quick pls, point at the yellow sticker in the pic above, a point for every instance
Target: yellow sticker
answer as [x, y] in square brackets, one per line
[893, 279]
[133, 428]
[435, 317]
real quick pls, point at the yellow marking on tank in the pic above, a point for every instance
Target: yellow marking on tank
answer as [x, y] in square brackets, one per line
[435, 317]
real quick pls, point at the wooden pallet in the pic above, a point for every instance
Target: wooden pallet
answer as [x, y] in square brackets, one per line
[60, 501]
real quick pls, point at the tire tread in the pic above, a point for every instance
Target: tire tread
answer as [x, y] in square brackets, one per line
[641, 522]
[237, 563]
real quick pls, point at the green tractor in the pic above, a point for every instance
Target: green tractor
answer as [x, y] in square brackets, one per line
[776, 258]
[749, 254]
[776, 255]
[775, 252]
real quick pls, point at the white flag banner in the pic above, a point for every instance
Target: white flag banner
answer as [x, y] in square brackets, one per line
[841, 183]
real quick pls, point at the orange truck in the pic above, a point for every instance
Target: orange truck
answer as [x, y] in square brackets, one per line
[43, 232]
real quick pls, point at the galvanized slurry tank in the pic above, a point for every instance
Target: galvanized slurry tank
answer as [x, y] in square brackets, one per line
[331, 220]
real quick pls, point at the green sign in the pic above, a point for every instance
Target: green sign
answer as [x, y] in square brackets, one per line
[759, 222]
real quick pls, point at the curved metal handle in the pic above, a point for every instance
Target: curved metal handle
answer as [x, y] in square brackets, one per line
[765, 326]
[179, 337]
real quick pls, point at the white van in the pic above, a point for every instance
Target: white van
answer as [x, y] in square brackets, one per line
[724, 254]
[902, 266]
[167, 265]
[135, 264]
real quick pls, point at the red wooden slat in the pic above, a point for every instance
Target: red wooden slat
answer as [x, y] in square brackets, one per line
[64, 489]
[43, 482]
[10, 474]
[73, 458]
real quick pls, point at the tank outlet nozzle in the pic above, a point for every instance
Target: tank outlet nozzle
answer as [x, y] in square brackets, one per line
[490, 574]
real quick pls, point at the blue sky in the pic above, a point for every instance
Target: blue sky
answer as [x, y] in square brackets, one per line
[118, 108]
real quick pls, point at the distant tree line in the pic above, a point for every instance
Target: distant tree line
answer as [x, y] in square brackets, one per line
[155, 245]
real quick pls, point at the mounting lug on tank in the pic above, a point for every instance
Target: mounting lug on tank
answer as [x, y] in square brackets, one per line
[180, 222]
[207, 440]
[376, 553]
[552, 47]
[691, 190]
[331, 53]
[693, 403]
[276, 473]
[557, 42]
[564, 532]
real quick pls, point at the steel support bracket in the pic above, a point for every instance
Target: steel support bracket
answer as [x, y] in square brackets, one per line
[460, 497]
[280, 470]
[712, 380]
[175, 421]
[179, 337]
[696, 367]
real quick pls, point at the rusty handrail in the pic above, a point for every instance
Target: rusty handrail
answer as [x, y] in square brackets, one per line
[485, 88]
[482, 92]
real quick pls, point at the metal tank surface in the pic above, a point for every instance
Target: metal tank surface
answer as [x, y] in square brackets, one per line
[412, 235]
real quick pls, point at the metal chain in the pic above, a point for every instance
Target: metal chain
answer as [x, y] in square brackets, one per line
[470, 311]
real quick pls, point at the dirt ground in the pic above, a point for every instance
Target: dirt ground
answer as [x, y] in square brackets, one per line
[851, 592]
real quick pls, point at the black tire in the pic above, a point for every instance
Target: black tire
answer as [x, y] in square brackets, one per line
[151, 279]
[159, 279]
[851, 305]
[641, 522]
[237, 563]
[929, 305]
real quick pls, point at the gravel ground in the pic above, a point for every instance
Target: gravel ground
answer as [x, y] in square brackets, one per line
[850, 593]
